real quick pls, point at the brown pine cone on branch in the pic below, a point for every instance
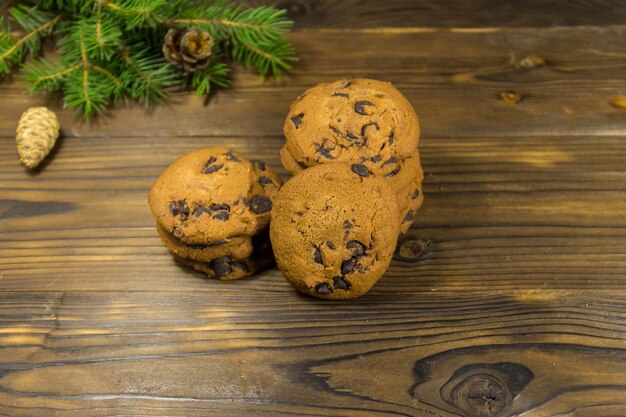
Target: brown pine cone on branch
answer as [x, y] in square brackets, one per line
[189, 49]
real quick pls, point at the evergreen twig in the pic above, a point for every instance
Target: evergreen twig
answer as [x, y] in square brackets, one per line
[111, 49]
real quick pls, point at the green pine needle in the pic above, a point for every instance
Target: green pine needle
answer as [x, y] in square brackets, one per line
[214, 74]
[112, 49]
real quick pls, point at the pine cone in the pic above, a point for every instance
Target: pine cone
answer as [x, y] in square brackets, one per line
[37, 132]
[189, 50]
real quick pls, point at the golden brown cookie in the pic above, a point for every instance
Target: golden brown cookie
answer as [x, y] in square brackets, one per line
[334, 230]
[348, 121]
[213, 194]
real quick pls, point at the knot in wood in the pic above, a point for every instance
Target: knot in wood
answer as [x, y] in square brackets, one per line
[411, 249]
[482, 395]
[531, 61]
[510, 97]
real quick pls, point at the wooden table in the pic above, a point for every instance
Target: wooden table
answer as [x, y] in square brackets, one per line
[506, 298]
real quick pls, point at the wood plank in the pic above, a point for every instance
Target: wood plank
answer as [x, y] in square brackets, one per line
[228, 353]
[452, 77]
[451, 13]
[500, 213]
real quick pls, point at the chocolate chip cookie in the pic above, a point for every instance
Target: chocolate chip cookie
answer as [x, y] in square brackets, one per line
[349, 120]
[361, 121]
[213, 194]
[212, 208]
[334, 229]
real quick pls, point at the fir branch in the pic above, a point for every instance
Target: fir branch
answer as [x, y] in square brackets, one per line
[137, 13]
[148, 78]
[222, 20]
[99, 38]
[43, 74]
[216, 73]
[110, 49]
[107, 73]
[12, 51]
[274, 58]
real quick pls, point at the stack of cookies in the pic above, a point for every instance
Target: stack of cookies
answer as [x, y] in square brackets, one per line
[212, 208]
[352, 146]
[366, 123]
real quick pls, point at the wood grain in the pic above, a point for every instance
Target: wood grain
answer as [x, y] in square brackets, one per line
[506, 298]
[444, 73]
[358, 14]
[147, 354]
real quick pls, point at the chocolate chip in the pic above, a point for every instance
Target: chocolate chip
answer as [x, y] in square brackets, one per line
[364, 128]
[232, 157]
[220, 266]
[346, 84]
[197, 212]
[259, 164]
[297, 120]
[360, 170]
[359, 107]
[217, 207]
[340, 284]
[218, 243]
[173, 208]
[416, 194]
[323, 288]
[265, 181]
[351, 135]
[376, 158]
[330, 245]
[336, 131]
[210, 161]
[357, 247]
[325, 152]
[240, 265]
[409, 216]
[222, 216]
[317, 256]
[348, 266]
[196, 245]
[212, 168]
[391, 138]
[341, 95]
[179, 208]
[394, 172]
[260, 205]
[391, 160]
[347, 225]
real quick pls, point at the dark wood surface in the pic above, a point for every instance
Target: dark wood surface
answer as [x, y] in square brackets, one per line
[506, 298]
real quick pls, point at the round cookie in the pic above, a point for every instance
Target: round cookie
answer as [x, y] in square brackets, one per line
[213, 194]
[334, 230]
[346, 120]
[238, 247]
